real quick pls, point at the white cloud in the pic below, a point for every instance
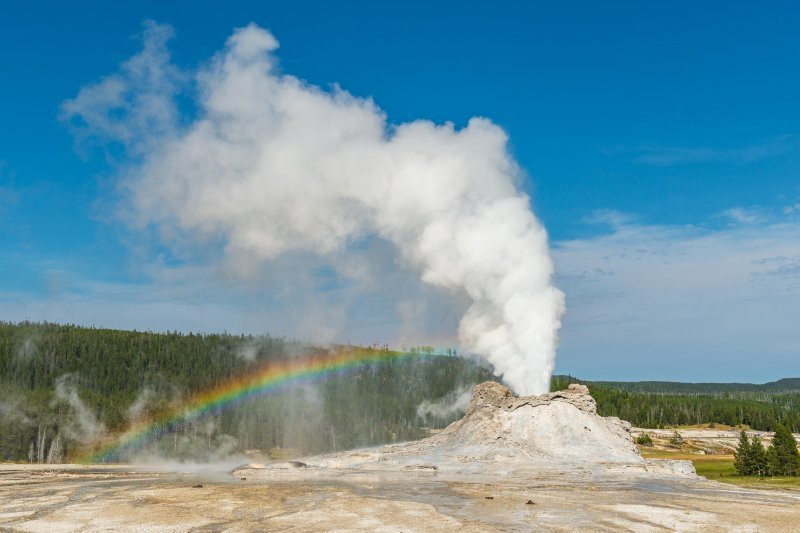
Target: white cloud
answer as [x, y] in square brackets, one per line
[745, 215]
[791, 209]
[609, 217]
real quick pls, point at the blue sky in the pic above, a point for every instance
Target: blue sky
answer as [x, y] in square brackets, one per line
[660, 143]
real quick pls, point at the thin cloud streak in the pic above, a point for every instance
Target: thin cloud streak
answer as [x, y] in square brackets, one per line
[664, 156]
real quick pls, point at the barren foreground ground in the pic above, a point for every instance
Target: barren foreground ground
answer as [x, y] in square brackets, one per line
[72, 498]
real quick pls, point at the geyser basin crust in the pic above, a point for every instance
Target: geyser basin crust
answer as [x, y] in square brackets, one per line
[501, 434]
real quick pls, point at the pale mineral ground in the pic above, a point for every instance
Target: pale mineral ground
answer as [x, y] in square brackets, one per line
[541, 463]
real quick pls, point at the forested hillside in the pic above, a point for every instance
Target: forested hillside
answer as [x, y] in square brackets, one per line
[65, 388]
[657, 404]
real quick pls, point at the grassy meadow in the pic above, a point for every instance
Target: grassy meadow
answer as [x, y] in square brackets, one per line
[720, 468]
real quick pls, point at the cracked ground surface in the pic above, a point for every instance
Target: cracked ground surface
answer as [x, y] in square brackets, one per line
[75, 498]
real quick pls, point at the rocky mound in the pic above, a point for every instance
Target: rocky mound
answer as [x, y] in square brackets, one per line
[558, 427]
[503, 435]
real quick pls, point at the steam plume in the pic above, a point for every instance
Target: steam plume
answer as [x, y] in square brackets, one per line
[269, 165]
[456, 401]
[139, 405]
[12, 410]
[83, 425]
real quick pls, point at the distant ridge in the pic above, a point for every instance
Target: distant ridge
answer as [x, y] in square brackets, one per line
[785, 385]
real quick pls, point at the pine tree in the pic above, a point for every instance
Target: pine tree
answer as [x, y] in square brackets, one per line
[743, 456]
[759, 457]
[783, 457]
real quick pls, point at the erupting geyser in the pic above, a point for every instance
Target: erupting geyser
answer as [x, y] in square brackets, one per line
[500, 435]
[270, 165]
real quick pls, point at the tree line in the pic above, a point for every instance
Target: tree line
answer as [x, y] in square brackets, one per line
[63, 387]
[764, 409]
[781, 458]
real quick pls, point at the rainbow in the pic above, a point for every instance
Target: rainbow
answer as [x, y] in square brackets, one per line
[268, 379]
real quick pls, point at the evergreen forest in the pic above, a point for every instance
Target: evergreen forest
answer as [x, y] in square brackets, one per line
[64, 388]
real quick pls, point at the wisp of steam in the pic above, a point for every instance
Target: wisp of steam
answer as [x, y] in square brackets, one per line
[269, 165]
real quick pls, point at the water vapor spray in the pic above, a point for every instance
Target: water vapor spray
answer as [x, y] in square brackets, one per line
[83, 424]
[269, 165]
[455, 402]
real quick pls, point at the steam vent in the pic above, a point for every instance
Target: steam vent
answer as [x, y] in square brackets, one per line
[500, 434]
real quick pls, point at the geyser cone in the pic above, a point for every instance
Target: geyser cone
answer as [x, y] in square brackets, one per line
[501, 434]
